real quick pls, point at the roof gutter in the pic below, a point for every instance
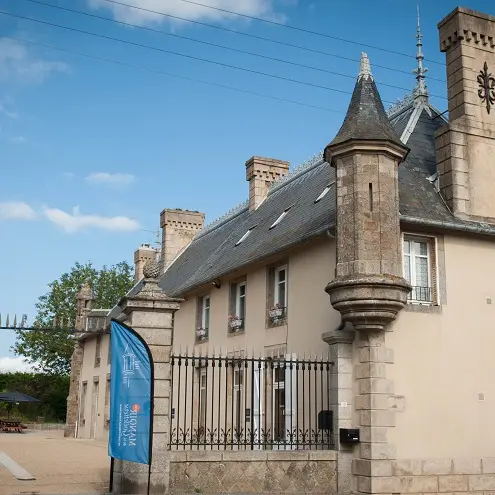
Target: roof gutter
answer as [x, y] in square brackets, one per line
[473, 228]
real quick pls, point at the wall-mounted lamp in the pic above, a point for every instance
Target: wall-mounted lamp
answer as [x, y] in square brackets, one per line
[217, 284]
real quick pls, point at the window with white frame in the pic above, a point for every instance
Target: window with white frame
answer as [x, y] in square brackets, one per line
[240, 300]
[280, 287]
[202, 400]
[238, 397]
[417, 268]
[205, 312]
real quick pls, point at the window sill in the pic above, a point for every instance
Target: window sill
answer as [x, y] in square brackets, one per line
[277, 323]
[231, 333]
[429, 308]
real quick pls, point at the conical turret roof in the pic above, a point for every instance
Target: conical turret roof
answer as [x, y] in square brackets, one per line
[366, 118]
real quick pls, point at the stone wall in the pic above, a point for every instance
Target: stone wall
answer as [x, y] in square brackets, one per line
[311, 472]
[452, 476]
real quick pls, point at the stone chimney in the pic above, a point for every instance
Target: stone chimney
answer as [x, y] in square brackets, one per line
[466, 145]
[144, 253]
[178, 229]
[84, 302]
[261, 173]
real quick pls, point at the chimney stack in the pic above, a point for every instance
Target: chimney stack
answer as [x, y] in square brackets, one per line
[261, 174]
[465, 146]
[178, 229]
[144, 253]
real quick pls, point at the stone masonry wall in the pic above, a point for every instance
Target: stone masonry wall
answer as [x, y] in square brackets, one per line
[274, 472]
[452, 476]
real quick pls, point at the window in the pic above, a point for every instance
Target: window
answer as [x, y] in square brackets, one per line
[280, 289]
[107, 392]
[277, 300]
[280, 218]
[417, 268]
[205, 313]
[82, 406]
[202, 401]
[98, 351]
[323, 193]
[238, 397]
[244, 236]
[203, 317]
[240, 301]
[279, 402]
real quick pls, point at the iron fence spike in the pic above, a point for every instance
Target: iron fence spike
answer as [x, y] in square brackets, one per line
[7, 322]
[15, 321]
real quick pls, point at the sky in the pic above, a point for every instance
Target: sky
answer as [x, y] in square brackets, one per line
[92, 148]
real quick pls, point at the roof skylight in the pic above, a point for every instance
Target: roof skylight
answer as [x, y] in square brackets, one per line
[243, 238]
[324, 193]
[280, 218]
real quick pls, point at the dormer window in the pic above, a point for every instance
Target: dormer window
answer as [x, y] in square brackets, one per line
[323, 193]
[280, 218]
[244, 237]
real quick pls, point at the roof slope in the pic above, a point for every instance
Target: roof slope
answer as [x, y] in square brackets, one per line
[213, 253]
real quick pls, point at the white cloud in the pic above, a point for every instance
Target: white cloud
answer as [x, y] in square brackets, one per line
[257, 8]
[18, 64]
[110, 179]
[13, 364]
[16, 210]
[76, 222]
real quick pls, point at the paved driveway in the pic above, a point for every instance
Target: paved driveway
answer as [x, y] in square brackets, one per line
[59, 465]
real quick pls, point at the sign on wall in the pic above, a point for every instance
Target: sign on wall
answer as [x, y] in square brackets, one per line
[130, 396]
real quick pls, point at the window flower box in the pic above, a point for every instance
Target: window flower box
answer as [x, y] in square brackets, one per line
[276, 313]
[236, 323]
[201, 333]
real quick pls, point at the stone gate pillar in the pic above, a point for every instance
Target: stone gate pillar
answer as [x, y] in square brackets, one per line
[150, 313]
[342, 399]
[84, 300]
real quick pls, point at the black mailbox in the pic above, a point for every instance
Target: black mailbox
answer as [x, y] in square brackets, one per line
[325, 420]
[349, 435]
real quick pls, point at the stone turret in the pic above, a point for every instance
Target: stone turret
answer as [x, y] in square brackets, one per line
[369, 289]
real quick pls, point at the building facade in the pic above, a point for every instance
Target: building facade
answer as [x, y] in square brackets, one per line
[395, 222]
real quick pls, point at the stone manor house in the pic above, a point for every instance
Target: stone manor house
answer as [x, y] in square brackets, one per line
[336, 332]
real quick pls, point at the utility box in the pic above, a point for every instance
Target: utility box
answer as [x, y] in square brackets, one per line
[325, 420]
[349, 435]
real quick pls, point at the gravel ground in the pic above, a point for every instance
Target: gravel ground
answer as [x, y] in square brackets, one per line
[60, 465]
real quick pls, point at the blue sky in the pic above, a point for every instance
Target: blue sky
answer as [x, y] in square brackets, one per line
[92, 151]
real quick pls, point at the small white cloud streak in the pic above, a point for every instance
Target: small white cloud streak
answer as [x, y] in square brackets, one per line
[255, 8]
[18, 64]
[16, 210]
[18, 140]
[76, 221]
[13, 364]
[106, 178]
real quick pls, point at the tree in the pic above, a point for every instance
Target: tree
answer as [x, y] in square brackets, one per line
[50, 347]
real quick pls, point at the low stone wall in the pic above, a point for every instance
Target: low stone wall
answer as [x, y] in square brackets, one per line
[452, 476]
[274, 472]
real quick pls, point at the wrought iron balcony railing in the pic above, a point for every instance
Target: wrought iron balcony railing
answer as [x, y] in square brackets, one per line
[420, 294]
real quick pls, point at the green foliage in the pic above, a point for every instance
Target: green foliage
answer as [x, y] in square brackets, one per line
[50, 350]
[51, 390]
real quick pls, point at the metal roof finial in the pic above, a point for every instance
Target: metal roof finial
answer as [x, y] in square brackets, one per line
[420, 88]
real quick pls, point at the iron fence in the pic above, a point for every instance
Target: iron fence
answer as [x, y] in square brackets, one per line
[241, 403]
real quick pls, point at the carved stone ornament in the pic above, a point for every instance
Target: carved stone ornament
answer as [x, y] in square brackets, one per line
[151, 269]
[487, 87]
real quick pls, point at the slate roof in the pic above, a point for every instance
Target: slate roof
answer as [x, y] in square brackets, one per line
[213, 252]
[366, 118]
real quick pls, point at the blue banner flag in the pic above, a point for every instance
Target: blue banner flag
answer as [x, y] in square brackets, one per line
[130, 395]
